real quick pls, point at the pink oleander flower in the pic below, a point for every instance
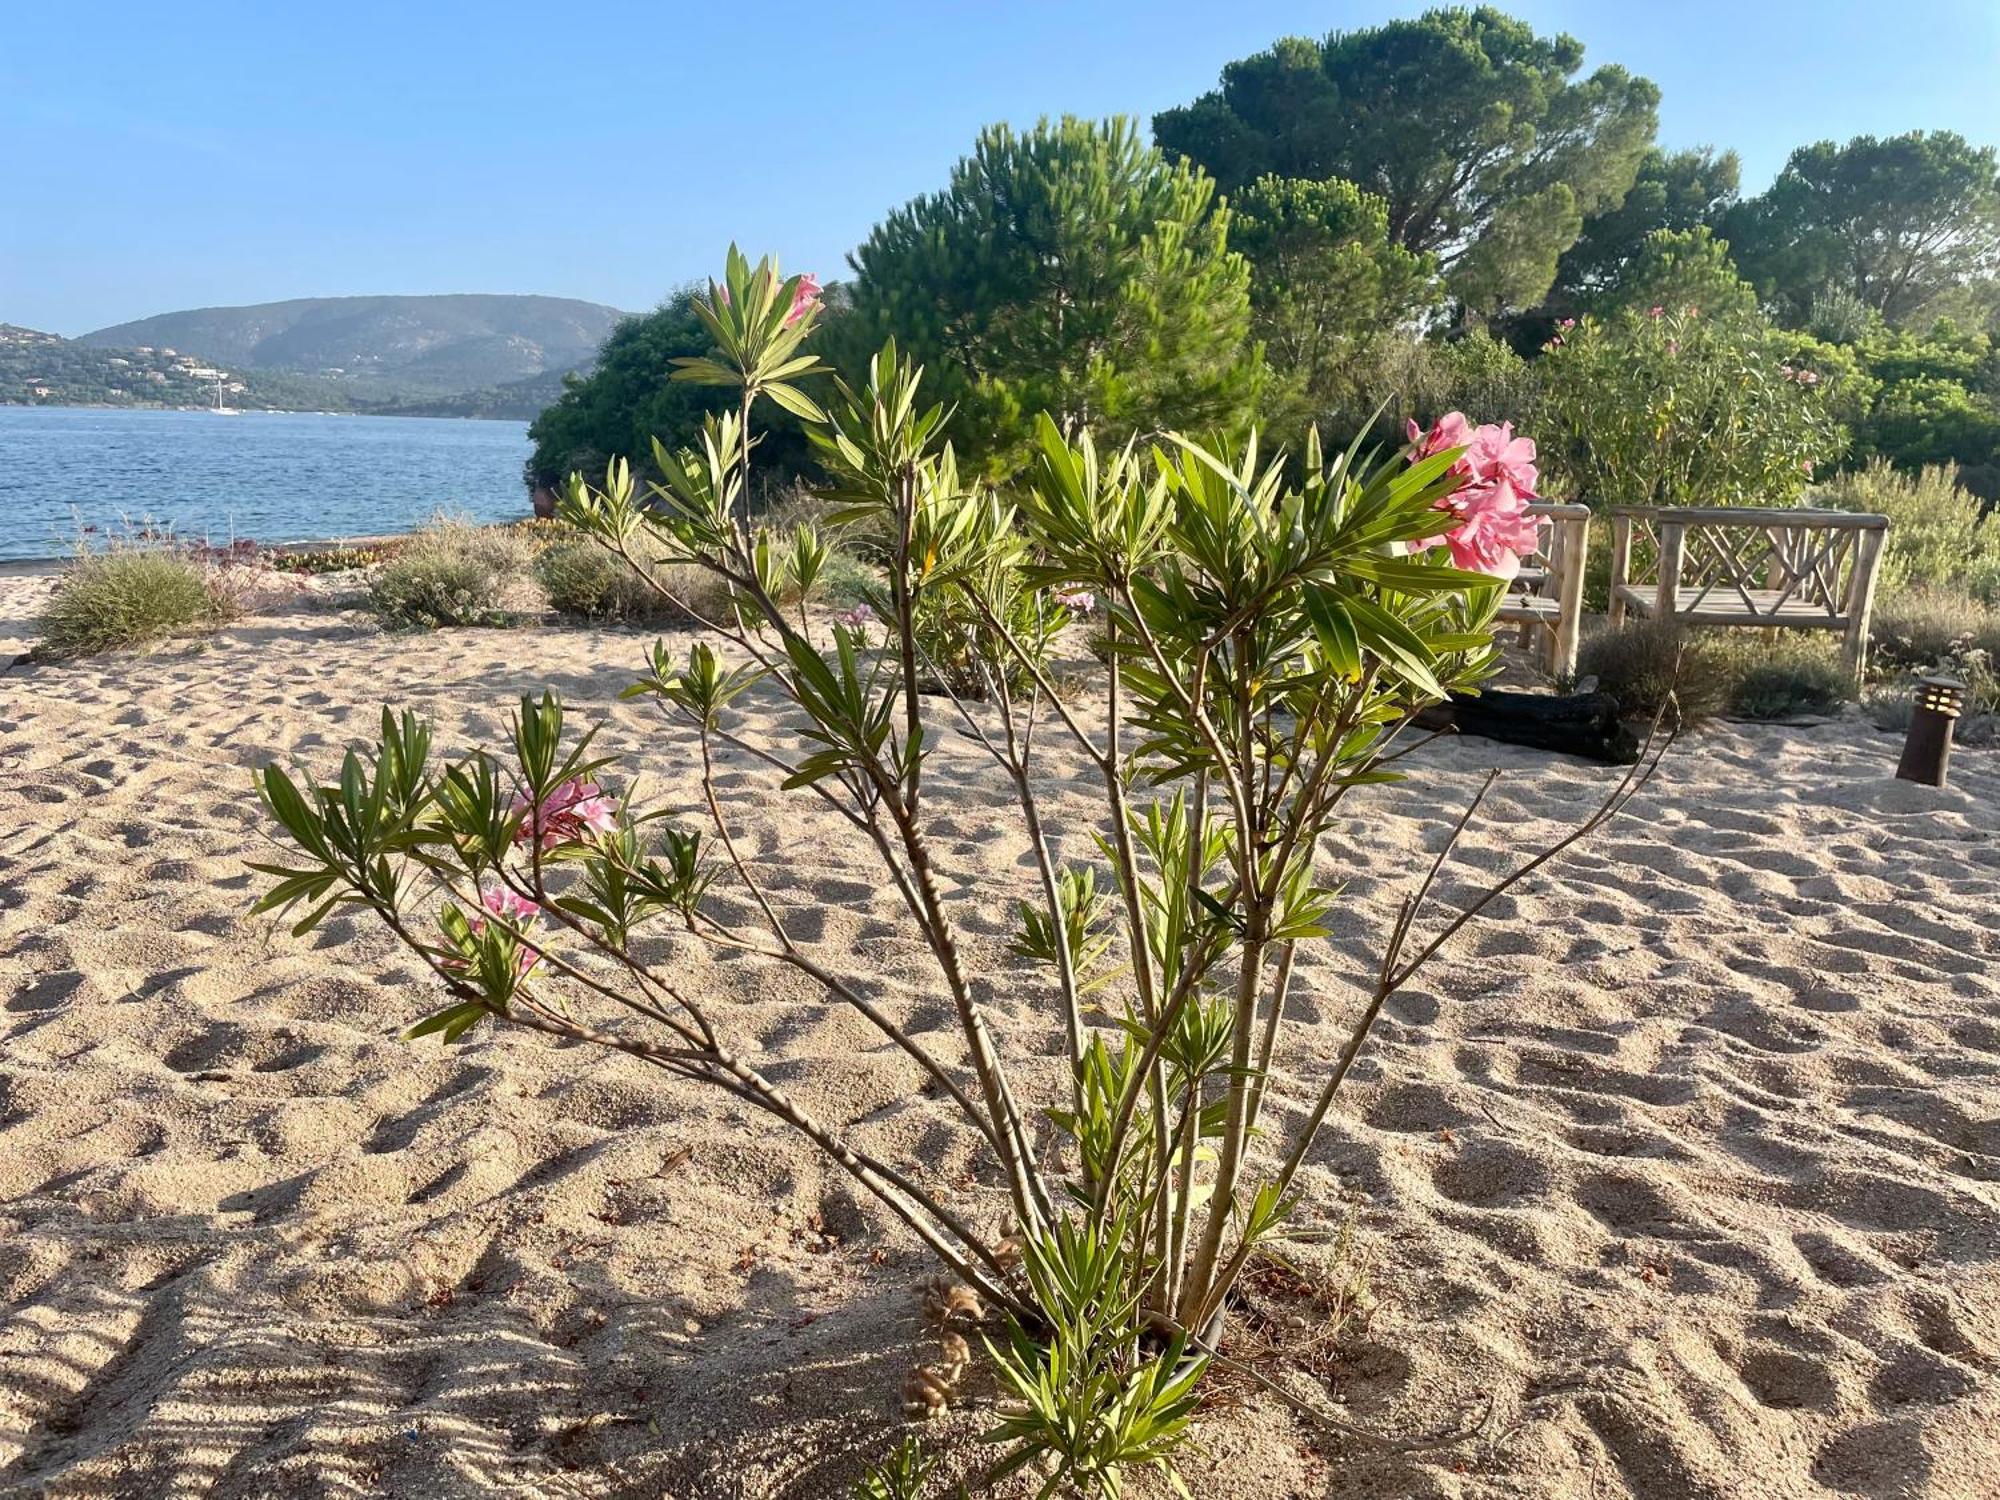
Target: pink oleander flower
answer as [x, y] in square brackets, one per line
[1449, 431]
[1656, 312]
[1497, 476]
[1079, 600]
[503, 902]
[1808, 377]
[858, 618]
[519, 910]
[569, 812]
[805, 298]
[1567, 323]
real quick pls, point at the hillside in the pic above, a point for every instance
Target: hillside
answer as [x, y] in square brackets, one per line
[44, 369]
[518, 400]
[415, 347]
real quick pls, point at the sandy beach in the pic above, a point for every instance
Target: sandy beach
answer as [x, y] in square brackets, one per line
[1683, 1173]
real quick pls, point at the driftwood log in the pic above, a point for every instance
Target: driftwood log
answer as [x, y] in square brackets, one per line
[1586, 725]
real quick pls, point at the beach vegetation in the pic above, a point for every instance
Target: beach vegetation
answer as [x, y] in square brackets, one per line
[582, 578]
[1647, 665]
[133, 594]
[1942, 538]
[313, 561]
[1936, 632]
[1272, 623]
[454, 572]
[1651, 666]
[1795, 677]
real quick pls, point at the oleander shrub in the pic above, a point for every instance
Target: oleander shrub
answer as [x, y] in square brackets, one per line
[1274, 623]
[456, 573]
[1676, 406]
[132, 595]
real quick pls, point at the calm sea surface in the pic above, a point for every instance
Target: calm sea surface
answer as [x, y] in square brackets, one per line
[267, 476]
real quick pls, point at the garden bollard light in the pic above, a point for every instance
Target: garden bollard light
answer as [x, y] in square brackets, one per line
[1927, 750]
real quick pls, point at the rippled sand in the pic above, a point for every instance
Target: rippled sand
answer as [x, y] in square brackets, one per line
[1689, 1165]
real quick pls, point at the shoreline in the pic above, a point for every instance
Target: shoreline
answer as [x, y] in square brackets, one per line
[251, 411]
[44, 567]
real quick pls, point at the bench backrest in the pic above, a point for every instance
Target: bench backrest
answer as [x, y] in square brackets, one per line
[1762, 559]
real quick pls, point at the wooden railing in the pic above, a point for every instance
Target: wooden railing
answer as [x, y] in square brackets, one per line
[1795, 569]
[1547, 598]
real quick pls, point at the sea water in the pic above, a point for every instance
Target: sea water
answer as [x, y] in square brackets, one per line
[265, 477]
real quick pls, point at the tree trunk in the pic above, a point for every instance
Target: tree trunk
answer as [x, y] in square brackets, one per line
[1586, 725]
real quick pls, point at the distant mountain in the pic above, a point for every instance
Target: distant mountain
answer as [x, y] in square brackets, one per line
[407, 347]
[518, 400]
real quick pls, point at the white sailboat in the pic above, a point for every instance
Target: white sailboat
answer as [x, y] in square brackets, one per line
[219, 409]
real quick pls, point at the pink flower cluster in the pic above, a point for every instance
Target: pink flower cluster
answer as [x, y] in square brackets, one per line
[518, 910]
[1497, 478]
[804, 299]
[566, 815]
[1075, 598]
[858, 618]
[1803, 377]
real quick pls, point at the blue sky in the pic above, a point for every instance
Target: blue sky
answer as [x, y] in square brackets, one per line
[155, 157]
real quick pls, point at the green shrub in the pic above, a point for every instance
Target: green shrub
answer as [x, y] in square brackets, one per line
[1788, 682]
[129, 596]
[455, 573]
[1936, 632]
[1235, 598]
[581, 577]
[1939, 532]
[1669, 406]
[317, 560]
[1919, 629]
[584, 578]
[1715, 672]
[1641, 663]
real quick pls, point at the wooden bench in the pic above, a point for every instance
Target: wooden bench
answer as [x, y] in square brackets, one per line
[1726, 565]
[1546, 598]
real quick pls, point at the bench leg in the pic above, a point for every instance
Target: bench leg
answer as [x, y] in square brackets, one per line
[1621, 566]
[1568, 631]
[1861, 603]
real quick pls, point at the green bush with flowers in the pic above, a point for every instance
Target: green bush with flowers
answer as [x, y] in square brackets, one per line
[1669, 406]
[1272, 625]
